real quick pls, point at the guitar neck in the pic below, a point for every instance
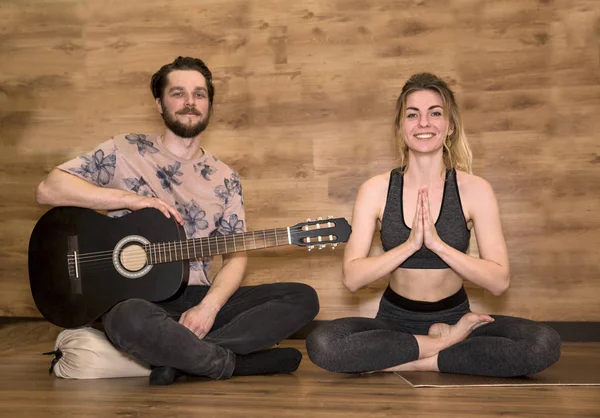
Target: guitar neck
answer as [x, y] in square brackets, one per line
[166, 252]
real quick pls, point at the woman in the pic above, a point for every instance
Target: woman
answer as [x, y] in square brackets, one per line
[424, 320]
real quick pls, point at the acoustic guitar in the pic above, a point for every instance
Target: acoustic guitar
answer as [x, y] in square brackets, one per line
[82, 263]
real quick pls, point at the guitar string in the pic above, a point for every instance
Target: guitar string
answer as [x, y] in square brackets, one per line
[199, 243]
[107, 264]
[173, 253]
[226, 238]
[164, 250]
[169, 256]
[206, 240]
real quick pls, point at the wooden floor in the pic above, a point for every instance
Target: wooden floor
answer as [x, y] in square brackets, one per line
[26, 390]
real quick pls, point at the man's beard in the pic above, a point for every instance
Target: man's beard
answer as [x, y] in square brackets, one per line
[183, 130]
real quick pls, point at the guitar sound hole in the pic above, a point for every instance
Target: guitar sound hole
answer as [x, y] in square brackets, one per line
[133, 257]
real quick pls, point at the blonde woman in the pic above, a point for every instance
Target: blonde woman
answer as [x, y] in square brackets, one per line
[424, 320]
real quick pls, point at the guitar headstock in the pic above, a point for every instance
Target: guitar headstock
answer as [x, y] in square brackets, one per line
[320, 233]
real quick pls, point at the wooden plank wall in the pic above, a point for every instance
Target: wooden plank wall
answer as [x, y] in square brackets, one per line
[304, 105]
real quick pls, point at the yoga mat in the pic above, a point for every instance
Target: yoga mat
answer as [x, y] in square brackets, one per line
[579, 368]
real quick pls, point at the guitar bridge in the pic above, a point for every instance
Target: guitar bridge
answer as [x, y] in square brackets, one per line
[74, 265]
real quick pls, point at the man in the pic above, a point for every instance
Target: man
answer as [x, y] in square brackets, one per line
[216, 330]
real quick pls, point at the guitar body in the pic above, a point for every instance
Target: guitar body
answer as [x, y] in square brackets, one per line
[72, 294]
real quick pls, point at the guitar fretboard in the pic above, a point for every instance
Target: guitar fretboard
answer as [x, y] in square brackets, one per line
[223, 244]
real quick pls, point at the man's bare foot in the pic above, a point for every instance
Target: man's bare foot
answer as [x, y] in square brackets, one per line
[460, 331]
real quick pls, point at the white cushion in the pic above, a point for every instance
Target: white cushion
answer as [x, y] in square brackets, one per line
[88, 354]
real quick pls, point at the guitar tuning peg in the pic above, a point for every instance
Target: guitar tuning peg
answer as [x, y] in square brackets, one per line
[307, 219]
[322, 246]
[333, 246]
[330, 217]
[320, 218]
[311, 247]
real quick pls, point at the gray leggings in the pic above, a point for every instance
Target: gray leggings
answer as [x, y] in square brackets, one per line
[507, 347]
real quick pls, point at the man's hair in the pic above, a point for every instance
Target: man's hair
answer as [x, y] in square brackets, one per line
[159, 79]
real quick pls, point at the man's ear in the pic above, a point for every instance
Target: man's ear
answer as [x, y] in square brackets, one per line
[158, 105]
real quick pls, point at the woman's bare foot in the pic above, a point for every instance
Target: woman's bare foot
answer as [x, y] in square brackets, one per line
[459, 332]
[440, 337]
[428, 364]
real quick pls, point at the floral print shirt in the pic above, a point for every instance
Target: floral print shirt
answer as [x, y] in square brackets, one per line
[206, 191]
